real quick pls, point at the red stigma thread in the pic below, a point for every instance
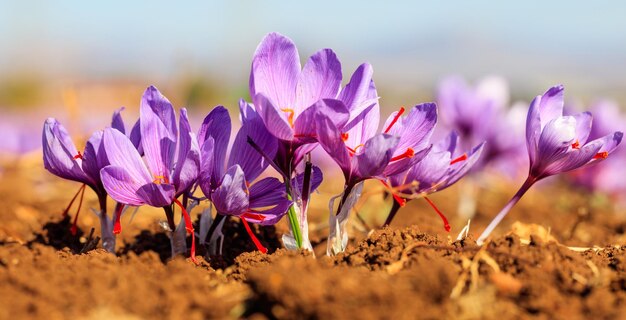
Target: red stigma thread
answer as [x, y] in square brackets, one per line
[353, 151]
[117, 226]
[252, 215]
[189, 228]
[395, 119]
[344, 136]
[401, 201]
[576, 145]
[78, 156]
[72, 201]
[256, 241]
[446, 225]
[601, 155]
[459, 159]
[74, 228]
[409, 153]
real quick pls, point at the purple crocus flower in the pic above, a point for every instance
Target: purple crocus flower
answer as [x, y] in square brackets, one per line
[169, 168]
[403, 143]
[556, 144]
[230, 185]
[443, 166]
[61, 158]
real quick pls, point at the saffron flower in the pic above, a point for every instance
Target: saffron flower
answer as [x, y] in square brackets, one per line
[404, 142]
[230, 185]
[61, 158]
[443, 166]
[556, 144]
[159, 178]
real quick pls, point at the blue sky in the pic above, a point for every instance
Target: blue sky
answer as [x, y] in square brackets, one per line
[409, 43]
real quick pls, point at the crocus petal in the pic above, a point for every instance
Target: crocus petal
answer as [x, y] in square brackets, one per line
[583, 126]
[551, 105]
[275, 70]
[188, 162]
[364, 114]
[270, 216]
[555, 140]
[335, 110]
[320, 79]
[533, 129]
[217, 125]
[316, 179]
[243, 154]
[329, 138]
[358, 89]
[266, 192]
[429, 172]
[135, 137]
[611, 141]
[121, 153]
[93, 159]
[401, 165]
[377, 153]
[121, 186]
[158, 132]
[416, 128]
[275, 120]
[449, 143]
[205, 176]
[59, 153]
[157, 195]
[462, 168]
[117, 122]
[231, 197]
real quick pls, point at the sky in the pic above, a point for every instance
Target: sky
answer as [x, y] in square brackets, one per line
[411, 44]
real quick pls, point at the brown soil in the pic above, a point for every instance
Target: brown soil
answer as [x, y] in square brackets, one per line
[411, 270]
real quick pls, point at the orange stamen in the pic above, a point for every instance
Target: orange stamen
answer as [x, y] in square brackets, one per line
[256, 241]
[344, 136]
[354, 151]
[601, 155]
[161, 179]
[459, 159]
[74, 228]
[117, 227]
[576, 145]
[401, 201]
[290, 115]
[446, 225]
[409, 153]
[189, 228]
[395, 119]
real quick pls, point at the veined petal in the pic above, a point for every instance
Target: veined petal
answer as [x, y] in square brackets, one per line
[275, 120]
[551, 105]
[117, 122]
[574, 159]
[93, 158]
[316, 179]
[121, 153]
[59, 153]
[401, 165]
[275, 70]
[416, 128]
[611, 141]
[358, 89]
[266, 192]
[460, 169]
[377, 152]
[250, 160]
[449, 143]
[270, 216]
[188, 162]
[216, 125]
[320, 79]
[158, 132]
[156, 194]
[135, 137]
[533, 129]
[335, 110]
[121, 186]
[555, 140]
[205, 176]
[231, 197]
[329, 138]
[583, 126]
[429, 172]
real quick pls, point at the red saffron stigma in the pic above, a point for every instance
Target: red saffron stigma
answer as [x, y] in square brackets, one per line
[78, 156]
[409, 153]
[117, 227]
[446, 225]
[189, 228]
[252, 215]
[256, 241]
[74, 228]
[576, 145]
[344, 136]
[401, 201]
[72, 201]
[601, 155]
[395, 119]
[459, 159]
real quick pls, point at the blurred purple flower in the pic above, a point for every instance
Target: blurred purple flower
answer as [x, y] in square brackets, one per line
[443, 166]
[556, 144]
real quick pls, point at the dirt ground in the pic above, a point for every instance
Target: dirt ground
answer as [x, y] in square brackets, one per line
[558, 255]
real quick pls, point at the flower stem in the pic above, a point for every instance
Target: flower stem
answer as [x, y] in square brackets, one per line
[392, 213]
[494, 223]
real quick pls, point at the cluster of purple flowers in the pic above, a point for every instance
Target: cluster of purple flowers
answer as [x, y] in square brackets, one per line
[162, 162]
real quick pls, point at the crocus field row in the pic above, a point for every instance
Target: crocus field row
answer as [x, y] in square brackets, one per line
[161, 162]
